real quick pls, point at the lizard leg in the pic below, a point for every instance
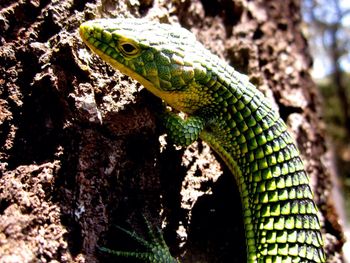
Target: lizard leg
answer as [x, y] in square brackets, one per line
[156, 250]
[181, 131]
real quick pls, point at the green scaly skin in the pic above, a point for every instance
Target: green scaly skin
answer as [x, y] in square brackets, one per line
[225, 110]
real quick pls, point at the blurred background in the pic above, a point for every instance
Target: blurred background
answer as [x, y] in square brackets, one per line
[328, 31]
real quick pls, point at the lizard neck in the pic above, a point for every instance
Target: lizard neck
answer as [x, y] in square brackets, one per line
[279, 214]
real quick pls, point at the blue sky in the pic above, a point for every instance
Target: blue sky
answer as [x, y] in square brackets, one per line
[322, 65]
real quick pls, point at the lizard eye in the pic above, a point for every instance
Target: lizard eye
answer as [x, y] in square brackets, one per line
[128, 48]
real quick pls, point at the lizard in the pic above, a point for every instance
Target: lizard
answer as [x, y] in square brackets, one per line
[224, 109]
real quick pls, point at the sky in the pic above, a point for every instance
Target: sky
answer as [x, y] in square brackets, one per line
[322, 66]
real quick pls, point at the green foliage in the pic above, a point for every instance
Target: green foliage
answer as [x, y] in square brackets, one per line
[332, 111]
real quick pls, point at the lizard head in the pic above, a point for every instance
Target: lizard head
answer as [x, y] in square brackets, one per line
[161, 57]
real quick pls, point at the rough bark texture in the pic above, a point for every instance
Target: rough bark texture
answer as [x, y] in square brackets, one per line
[80, 148]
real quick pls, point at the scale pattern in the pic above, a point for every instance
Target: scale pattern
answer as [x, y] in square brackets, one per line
[224, 109]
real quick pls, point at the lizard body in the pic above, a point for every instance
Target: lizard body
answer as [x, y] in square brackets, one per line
[225, 110]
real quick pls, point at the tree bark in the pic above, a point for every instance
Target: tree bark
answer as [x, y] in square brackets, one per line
[80, 148]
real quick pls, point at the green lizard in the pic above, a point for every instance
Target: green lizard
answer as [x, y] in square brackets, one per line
[225, 110]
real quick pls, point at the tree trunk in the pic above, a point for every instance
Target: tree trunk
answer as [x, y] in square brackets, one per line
[80, 149]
